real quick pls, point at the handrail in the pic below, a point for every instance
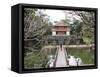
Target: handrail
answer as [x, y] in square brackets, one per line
[56, 57]
[56, 54]
[66, 56]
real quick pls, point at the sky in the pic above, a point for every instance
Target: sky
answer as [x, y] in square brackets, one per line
[55, 15]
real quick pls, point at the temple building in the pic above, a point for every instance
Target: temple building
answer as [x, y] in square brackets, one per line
[61, 35]
[60, 29]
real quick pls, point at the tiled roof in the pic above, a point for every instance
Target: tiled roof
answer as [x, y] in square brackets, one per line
[61, 24]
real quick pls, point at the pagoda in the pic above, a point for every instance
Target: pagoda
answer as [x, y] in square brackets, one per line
[60, 29]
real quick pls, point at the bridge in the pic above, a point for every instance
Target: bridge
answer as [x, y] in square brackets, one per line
[61, 59]
[61, 56]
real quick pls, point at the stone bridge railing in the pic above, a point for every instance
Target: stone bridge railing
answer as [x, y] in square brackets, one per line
[64, 40]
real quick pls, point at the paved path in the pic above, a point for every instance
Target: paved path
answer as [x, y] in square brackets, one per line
[61, 61]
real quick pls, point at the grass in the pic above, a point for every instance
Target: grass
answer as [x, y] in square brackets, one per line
[83, 53]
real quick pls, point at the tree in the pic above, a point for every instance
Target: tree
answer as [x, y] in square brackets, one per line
[36, 26]
[83, 25]
[76, 27]
[88, 19]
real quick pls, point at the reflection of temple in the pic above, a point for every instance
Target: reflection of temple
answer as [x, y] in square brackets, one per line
[60, 29]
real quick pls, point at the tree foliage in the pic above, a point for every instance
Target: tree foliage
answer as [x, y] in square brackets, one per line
[84, 26]
[88, 25]
[36, 26]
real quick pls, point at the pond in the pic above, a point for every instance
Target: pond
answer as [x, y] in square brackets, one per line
[85, 54]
